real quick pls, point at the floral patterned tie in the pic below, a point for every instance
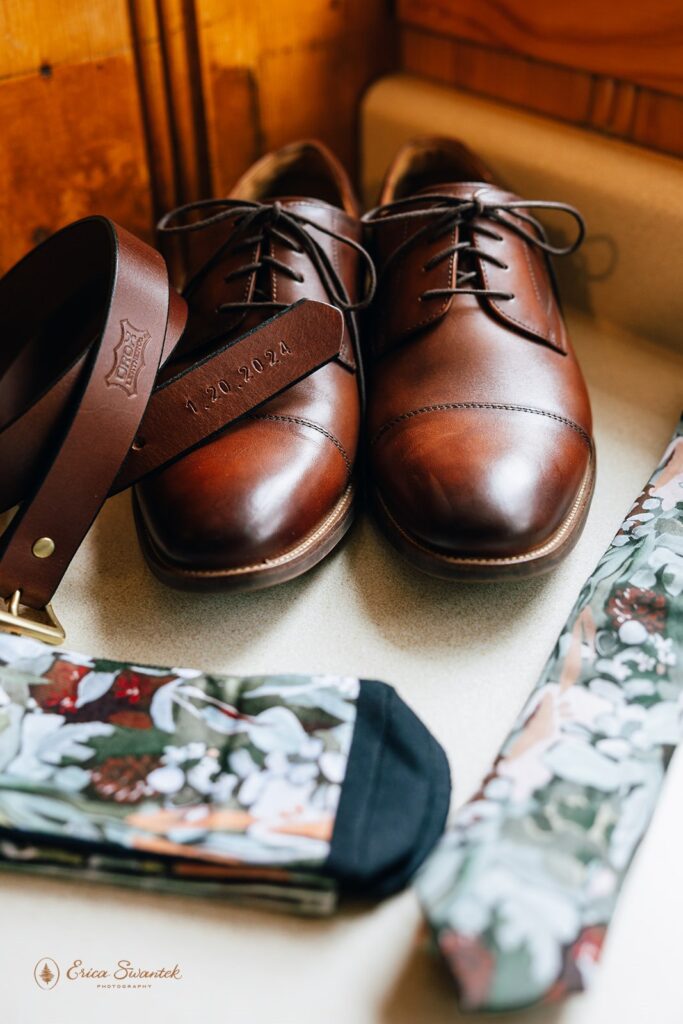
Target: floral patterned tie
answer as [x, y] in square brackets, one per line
[522, 887]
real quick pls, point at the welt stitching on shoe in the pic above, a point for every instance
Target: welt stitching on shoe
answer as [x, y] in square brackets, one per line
[495, 406]
[436, 313]
[336, 261]
[532, 274]
[335, 245]
[307, 423]
[544, 309]
[529, 328]
[273, 284]
[505, 313]
[249, 277]
[515, 320]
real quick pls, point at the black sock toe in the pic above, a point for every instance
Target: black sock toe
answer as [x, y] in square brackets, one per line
[394, 800]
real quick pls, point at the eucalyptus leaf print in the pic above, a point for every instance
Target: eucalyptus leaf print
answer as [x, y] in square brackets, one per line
[288, 791]
[170, 762]
[522, 888]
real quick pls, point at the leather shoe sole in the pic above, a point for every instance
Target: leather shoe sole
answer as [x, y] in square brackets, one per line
[535, 562]
[258, 575]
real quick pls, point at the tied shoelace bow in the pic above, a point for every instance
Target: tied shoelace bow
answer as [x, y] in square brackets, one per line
[256, 223]
[445, 212]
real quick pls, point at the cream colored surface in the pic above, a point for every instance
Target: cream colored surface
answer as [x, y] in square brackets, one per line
[465, 657]
[630, 266]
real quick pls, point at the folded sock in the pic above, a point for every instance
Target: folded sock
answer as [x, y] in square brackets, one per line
[282, 789]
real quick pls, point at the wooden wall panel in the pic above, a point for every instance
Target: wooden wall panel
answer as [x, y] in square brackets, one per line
[155, 108]
[178, 29]
[630, 39]
[72, 145]
[558, 92]
[273, 72]
[130, 107]
[317, 91]
[73, 135]
[53, 32]
[611, 105]
[657, 118]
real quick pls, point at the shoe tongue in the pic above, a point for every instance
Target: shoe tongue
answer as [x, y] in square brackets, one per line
[461, 190]
[465, 190]
[214, 290]
[309, 201]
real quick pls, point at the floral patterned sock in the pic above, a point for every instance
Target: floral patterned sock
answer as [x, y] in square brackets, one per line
[520, 891]
[274, 789]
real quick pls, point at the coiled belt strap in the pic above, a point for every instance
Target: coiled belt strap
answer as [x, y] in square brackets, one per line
[88, 319]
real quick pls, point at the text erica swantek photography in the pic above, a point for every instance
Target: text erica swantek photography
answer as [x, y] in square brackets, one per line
[124, 971]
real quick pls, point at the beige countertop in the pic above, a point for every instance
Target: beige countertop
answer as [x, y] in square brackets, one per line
[463, 656]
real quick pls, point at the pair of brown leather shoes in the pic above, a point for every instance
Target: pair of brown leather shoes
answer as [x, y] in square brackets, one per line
[480, 459]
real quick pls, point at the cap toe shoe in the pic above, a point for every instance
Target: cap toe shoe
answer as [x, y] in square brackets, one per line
[480, 448]
[479, 482]
[273, 493]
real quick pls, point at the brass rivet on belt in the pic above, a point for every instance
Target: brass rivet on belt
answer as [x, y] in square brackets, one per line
[43, 547]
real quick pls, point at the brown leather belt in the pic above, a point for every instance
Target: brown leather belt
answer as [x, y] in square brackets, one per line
[89, 318]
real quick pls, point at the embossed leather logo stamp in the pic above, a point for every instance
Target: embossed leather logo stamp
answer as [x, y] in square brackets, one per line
[128, 358]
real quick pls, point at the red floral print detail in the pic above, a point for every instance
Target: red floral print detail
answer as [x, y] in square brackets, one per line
[634, 604]
[578, 960]
[588, 946]
[124, 779]
[61, 692]
[638, 506]
[473, 966]
[638, 515]
[137, 689]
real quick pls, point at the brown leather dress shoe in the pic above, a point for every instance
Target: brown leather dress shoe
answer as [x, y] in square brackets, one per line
[274, 493]
[480, 448]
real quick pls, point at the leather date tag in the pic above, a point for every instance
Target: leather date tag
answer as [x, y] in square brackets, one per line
[189, 408]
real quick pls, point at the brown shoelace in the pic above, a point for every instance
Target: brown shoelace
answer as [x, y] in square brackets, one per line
[256, 223]
[446, 212]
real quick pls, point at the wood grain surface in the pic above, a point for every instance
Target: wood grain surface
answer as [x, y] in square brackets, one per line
[614, 105]
[72, 144]
[630, 39]
[273, 72]
[129, 107]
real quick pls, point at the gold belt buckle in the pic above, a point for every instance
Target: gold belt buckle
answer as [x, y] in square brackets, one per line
[12, 621]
